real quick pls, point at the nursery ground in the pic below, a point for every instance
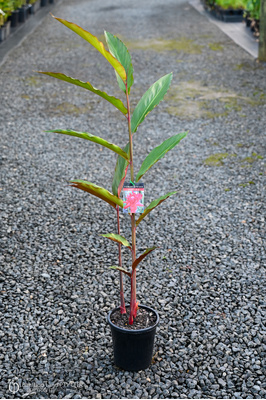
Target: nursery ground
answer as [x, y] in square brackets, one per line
[206, 280]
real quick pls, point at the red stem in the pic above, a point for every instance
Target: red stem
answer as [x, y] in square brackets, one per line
[122, 299]
[133, 301]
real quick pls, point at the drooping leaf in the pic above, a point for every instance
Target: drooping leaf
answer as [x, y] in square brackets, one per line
[153, 204]
[119, 50]
[149, 100]
[120, 173]
[158, 152]
[117, 238]
[87, 85]
[95, 42]
[122, 270]
[98, 192]
[143, 255]
[92, 138]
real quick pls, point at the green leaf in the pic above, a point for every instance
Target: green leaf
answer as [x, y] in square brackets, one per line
[149, 100]
[119, 50]
[94, 41]
[98, 192]
[158, 153]
[92, 138]
[122, 270]
[153, 204]
[117, 238]
[86, 85]
[120, 173]
[143, 255]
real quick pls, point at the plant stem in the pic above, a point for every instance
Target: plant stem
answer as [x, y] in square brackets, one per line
[133, 301]
[122, 299]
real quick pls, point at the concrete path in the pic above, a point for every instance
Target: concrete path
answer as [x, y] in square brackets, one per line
[207, 277]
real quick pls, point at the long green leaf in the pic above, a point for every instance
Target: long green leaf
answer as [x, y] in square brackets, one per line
[149, 100]
[158, 152]
[94, 41]
[117, 238]
[153, 204]
[98, 192]
[120, 173]
[119, 50]
[87, 85]
[143, 255]
[121, 269]
[92, 138]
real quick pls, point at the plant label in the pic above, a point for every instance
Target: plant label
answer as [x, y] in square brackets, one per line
[133, 198]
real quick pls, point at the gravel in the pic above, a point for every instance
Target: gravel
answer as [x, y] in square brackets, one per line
[207, 279]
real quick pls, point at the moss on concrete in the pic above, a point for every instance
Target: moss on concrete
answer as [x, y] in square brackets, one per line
[246, 184]
[69, 108]
[216, 47]
[182, 44]
[33, 81]
[193, 99]
[216, 160]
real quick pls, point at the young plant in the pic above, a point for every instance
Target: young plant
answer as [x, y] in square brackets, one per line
[120, 59]
[6, 8]
[253, 8]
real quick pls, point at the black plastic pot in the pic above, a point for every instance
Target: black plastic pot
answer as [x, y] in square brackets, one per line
[43, 3]
[133, 349]
[14, 18]
[23, 13]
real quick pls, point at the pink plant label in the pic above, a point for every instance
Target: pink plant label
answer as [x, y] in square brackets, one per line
[133, 198]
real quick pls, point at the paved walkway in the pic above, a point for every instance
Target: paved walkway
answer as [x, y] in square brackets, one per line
[207, 279]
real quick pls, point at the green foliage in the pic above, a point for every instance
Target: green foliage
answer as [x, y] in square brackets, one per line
[98, 192]
[6, 8]
[98, 46]
[120, 59]
[149, 100]
[253, 9]
[120, 52]
[120, 173]
[158, 153]
[86, 85]
[153, 204]
[143, 255]
[231, 4]
[228, 4]
[117, 238]
[92, 138]
[18, 3]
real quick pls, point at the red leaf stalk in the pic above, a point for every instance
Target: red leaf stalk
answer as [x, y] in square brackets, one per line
[122, 299]
[133, 301]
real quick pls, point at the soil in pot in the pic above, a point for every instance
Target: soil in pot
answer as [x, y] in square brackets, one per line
[144, 319]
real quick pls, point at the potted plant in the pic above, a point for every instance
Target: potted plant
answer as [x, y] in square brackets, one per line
[34, 6]
[6, 8]
[252, 16]
[133, 326]
[15, 13]
[226, 10]
[2, 29]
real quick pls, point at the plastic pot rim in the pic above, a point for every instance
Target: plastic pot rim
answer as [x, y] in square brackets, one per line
[134, 331]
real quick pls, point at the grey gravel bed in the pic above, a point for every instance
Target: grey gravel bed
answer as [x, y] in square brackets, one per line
[207, 279]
